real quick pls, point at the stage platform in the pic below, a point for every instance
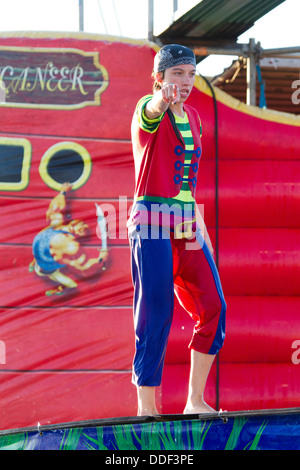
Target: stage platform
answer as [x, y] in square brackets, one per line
[246, 430]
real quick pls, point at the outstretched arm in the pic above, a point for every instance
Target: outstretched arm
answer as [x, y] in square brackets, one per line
[83, 263]
[57, 207]
[161, 100]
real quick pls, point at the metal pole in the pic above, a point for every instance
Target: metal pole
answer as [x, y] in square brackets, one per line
[282, 51]
[243, 50]
[251, 74]
[175, 6]
[239, 50]
[81, 19]
[150, 19]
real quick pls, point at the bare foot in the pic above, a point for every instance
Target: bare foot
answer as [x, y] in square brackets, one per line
[200, 407]
[146, 401]
[147, 411]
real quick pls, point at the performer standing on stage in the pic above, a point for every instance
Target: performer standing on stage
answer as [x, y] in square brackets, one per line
[171, 250]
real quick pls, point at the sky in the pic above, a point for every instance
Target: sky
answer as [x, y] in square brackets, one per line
[129, 18]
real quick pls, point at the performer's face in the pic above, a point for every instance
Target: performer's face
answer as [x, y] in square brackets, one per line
[183, 76]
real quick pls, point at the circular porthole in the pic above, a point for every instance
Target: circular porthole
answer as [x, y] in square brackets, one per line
[66, 162]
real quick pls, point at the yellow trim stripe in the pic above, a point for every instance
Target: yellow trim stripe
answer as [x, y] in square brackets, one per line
[75, 35]
[265, 114]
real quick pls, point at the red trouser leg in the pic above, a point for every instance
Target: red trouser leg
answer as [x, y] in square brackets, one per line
[198, 289]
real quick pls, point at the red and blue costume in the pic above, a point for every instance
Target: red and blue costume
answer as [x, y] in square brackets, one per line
[167, 153]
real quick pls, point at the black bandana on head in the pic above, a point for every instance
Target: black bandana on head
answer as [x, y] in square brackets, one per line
[172, 55]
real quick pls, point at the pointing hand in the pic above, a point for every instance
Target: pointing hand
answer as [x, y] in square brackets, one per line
[170, 93]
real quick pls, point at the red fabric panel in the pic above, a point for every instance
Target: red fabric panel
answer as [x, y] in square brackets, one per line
[264, 192]
[51, 398]
[90, 121]
[19, 287]
[259, 386]
[258, 329]
[261, 193]
[242, 386]
[108, 159]
[75, 338]
[260, 261]
[29, 218]
[261, 329]
[243, 136]
[257, 185]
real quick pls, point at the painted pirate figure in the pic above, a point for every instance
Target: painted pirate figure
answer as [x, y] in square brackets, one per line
[170, 247]
[59, 246]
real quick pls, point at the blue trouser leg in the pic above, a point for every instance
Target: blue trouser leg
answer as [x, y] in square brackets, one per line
[152, 274]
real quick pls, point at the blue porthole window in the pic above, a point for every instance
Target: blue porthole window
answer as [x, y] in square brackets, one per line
[15, 159]
[65, 162]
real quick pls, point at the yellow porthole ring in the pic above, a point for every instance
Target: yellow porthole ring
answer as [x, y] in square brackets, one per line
[25, 171]
[87, 165]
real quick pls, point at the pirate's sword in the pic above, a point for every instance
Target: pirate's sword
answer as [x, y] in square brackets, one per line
[101, 222]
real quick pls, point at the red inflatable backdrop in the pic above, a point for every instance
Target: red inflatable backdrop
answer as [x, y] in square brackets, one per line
[65, 353]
